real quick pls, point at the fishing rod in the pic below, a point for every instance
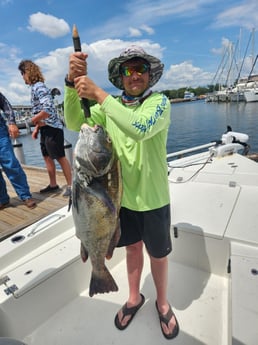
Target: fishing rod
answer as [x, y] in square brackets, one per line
[77, 48]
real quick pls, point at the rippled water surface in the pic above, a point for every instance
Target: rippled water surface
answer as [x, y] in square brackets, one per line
[197, 123]
[192, 123]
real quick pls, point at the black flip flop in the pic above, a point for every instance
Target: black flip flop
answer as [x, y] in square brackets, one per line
[128, 311]
[166, 318]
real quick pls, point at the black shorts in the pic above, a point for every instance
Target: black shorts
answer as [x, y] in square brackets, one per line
[52, 142]
[151, 227]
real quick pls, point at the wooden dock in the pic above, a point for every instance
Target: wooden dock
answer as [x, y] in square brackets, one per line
[17, 216]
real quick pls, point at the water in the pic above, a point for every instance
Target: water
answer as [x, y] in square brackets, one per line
[197, 123]
[192, 124]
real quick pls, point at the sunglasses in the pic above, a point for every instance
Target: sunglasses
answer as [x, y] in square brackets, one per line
[127, 71]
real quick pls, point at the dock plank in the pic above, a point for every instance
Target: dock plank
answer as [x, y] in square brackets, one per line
[17, 216]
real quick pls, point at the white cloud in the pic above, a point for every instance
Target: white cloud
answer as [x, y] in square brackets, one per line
[133, 32]
[137, 32]
[152, 12]
[147, 29]
[225, 45]
[48, 25]
[185, 75]
[243, 15]
[55, 65]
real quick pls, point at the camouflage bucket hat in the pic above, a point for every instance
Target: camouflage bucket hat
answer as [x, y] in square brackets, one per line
[114, 75]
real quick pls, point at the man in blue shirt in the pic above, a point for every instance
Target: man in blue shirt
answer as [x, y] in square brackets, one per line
[8, 160]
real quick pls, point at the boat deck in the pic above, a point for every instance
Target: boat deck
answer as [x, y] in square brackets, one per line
[17, 216]
[78, 321]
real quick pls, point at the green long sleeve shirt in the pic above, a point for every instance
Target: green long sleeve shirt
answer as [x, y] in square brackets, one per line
[139, 135]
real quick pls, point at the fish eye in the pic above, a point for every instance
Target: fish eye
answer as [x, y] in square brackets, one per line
[108, 140]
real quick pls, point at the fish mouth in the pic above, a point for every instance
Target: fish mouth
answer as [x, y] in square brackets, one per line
[86, 127]
[96, 155]
[95, 129]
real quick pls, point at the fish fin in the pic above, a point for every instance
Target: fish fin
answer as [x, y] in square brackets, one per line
[113, 242]
[84, 253]
[70, 202]
[98, 191]
[75, 196]
[101, 283]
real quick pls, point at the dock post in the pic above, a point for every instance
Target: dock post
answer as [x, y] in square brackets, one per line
[27, 125]
[68, 151]
[18, 151]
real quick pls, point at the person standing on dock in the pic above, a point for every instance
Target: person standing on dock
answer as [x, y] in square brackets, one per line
[8, 161]
[137, 123]
[48, 123]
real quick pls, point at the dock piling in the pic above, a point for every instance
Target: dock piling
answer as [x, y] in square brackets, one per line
[18, 151]
[68, 152]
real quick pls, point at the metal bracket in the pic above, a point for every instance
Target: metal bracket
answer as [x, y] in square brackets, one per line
[175, 232]
[11, 289]
[229, 266]
[4, 279]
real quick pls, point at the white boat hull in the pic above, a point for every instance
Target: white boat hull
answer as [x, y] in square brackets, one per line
[251, 95]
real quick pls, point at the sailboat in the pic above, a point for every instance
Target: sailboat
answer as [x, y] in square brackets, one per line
[251, 87]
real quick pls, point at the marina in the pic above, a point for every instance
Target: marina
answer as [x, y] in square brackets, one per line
[192, 124]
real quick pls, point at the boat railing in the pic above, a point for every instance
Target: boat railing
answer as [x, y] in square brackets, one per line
[182, 153]
[44, 223]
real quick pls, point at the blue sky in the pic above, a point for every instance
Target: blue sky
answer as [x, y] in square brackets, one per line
[190, 37]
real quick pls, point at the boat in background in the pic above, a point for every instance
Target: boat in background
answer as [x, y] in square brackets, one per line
[232, 87]
[189, 96]
[251, 89]
[213, 268]
[251, 95]
[25, 123]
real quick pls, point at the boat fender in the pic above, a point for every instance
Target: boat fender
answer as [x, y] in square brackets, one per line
[226, 149]
[231, 137]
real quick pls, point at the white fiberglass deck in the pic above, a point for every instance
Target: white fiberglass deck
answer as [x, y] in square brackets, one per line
[194, 295]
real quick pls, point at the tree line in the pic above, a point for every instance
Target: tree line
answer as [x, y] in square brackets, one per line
[198, 91]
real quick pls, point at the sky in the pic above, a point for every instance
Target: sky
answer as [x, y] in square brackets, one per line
[199, 41]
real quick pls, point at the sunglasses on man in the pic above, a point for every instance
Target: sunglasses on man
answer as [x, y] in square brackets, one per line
[127, 71]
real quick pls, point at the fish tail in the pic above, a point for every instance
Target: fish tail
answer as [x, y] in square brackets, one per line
[113, 242]
[102, 282]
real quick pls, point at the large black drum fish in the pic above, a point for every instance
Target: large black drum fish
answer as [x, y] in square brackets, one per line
[96, 197]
